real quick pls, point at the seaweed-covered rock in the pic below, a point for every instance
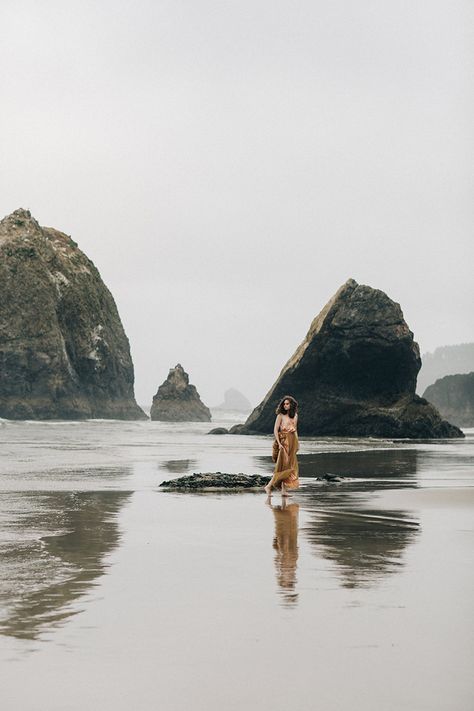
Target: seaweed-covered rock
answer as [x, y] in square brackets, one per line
[178, 401]
[218, 431]
[63, 350]
[355, 374]
[216, 480]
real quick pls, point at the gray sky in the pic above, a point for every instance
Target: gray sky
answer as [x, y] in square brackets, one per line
[227, 165]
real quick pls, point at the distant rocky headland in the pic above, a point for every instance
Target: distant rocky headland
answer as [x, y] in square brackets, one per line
[355, 374]
[178, 401]
[63, 350]
[453, 395]
[445, 360]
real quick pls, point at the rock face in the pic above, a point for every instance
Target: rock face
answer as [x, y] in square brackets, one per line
[178, 401]
[234, 400]
[217, 480]
[453, 395]
[355, 374]
[63, 351]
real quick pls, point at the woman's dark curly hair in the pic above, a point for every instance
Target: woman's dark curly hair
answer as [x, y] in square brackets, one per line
[293, 406]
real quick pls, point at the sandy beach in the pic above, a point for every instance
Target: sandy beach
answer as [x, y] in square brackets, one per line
[116, 594]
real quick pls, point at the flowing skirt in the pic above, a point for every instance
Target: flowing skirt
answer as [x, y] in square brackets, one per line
[286, 467]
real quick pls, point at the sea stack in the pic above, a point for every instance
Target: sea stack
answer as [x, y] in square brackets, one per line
[63, 350]
[355, 374]
[234, 400]
[178, 401]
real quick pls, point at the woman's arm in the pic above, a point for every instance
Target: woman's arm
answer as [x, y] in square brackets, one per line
[276, 429]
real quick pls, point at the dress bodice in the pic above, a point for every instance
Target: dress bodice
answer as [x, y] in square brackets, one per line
[289, 426]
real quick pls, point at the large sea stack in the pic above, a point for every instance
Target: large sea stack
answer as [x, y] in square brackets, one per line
[63, 351]
[178, 401]
[453, 395]
[355, 374]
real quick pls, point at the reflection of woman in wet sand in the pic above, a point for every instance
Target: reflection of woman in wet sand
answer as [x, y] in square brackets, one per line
[285, 544]
[285, 475]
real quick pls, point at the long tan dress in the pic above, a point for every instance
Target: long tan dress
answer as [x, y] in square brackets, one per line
[286, 467]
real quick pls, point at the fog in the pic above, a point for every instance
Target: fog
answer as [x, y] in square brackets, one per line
[228, 165]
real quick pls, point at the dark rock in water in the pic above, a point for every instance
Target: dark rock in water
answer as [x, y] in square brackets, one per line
[453, 395]
[63, 351]
[234, 400]
[218, 431]
[217, 480]
[178, 401]
[237, 429]
[329, 478]
[355, 374]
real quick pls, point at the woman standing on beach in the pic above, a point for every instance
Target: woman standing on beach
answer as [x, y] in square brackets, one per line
[285, 475]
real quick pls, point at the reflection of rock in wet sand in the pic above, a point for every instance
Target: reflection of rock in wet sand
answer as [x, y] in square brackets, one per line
[364, 544]
[285, 544]
[179, 466]
[370, 464]
[43, 575]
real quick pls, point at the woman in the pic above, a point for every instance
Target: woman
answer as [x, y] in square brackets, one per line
[285, 475]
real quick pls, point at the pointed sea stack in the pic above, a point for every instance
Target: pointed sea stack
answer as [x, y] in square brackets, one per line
[63, 351]
[178, 401]
[355, 374]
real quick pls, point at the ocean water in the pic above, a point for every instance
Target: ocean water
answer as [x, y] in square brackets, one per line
[116, 594]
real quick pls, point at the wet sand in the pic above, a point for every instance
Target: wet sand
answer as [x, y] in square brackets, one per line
[118, 595]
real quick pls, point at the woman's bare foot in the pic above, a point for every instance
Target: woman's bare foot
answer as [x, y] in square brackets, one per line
[268, 489]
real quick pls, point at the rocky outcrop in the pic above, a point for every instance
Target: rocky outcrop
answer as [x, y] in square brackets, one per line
[178, 401]
[453, 395]
[63, 351]
[234, 400]
[235, 429]
[216, 480]
[355, 374]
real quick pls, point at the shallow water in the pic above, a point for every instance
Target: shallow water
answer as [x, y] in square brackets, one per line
[115, 594]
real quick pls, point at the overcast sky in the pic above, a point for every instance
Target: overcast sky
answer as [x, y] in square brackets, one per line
[228, 164]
